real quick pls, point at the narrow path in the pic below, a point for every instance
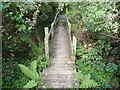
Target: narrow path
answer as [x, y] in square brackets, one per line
[60, 73]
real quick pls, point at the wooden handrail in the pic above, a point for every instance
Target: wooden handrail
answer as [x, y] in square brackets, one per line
[46, 40]
[73, 39]
[48, 34]
[53, 24]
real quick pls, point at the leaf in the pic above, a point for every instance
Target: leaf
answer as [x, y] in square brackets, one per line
[10, 13]
[33, 68]
[6, 5]
[79, 75]
[28, 72]
[88, 83]
[22, 27]
[31, 84]
[17, 25]
[85, 80]
[33, 65]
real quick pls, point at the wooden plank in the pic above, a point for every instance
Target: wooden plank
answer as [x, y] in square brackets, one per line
[46, 40]
[52, 30]
[47, 36]
[74, 46]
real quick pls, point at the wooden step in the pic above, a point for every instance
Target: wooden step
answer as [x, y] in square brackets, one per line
[58, 76]
[62, 66]
[61, 83]
[62, 63]
[59, 58]
[59, 71]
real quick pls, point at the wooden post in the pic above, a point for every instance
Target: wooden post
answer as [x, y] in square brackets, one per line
[66, 11]
[46, 40]
[69, 30]
[74, 46]
[69, 25]
[52, 31]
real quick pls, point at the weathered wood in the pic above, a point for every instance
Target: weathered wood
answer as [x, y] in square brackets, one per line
[69, 30]
[66, 11]
[69, 26]
[48, 34]
[46, 40]
[74, 41]
[52, 31]
[74, 46]
[61, 72]
[53, 25]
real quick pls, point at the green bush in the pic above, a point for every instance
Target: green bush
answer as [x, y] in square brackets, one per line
[85, 80]
[23, 41]
[30, 72]
[93, 61]
[96, 25]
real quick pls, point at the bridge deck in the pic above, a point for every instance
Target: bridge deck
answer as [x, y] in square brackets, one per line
[60, 73]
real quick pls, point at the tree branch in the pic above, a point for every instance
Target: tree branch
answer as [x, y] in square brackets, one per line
[109, 35]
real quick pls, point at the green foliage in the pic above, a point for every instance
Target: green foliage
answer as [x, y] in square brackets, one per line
[93, 61]
[96, 25]
[42, 65]
[85, 80]
[23, 41]
[33, 65]
[31, 84]
[95, 16]
[31, 73]
[8, 75]
[22, 27]
[95, 56]
[18, 24]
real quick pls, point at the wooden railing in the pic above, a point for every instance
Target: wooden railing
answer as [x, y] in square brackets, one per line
[49, 34]
[73, 39]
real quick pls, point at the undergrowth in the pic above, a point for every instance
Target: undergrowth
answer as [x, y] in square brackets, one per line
[92, 63]
[19, 71]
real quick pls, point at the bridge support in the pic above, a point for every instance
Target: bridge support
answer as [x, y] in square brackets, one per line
[73, 40]
[74, 46]
[46, 40]
[52, 31]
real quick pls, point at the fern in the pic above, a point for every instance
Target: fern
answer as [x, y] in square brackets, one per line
[33, 68]
[29, 73]
[88, 83]
[31, 84]
[33, 65]
[85, 80]
[79, 75]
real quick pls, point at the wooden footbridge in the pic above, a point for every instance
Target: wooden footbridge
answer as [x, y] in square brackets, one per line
[60, 49]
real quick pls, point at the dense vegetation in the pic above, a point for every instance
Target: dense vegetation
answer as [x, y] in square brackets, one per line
[23, 32]
[96, 26]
